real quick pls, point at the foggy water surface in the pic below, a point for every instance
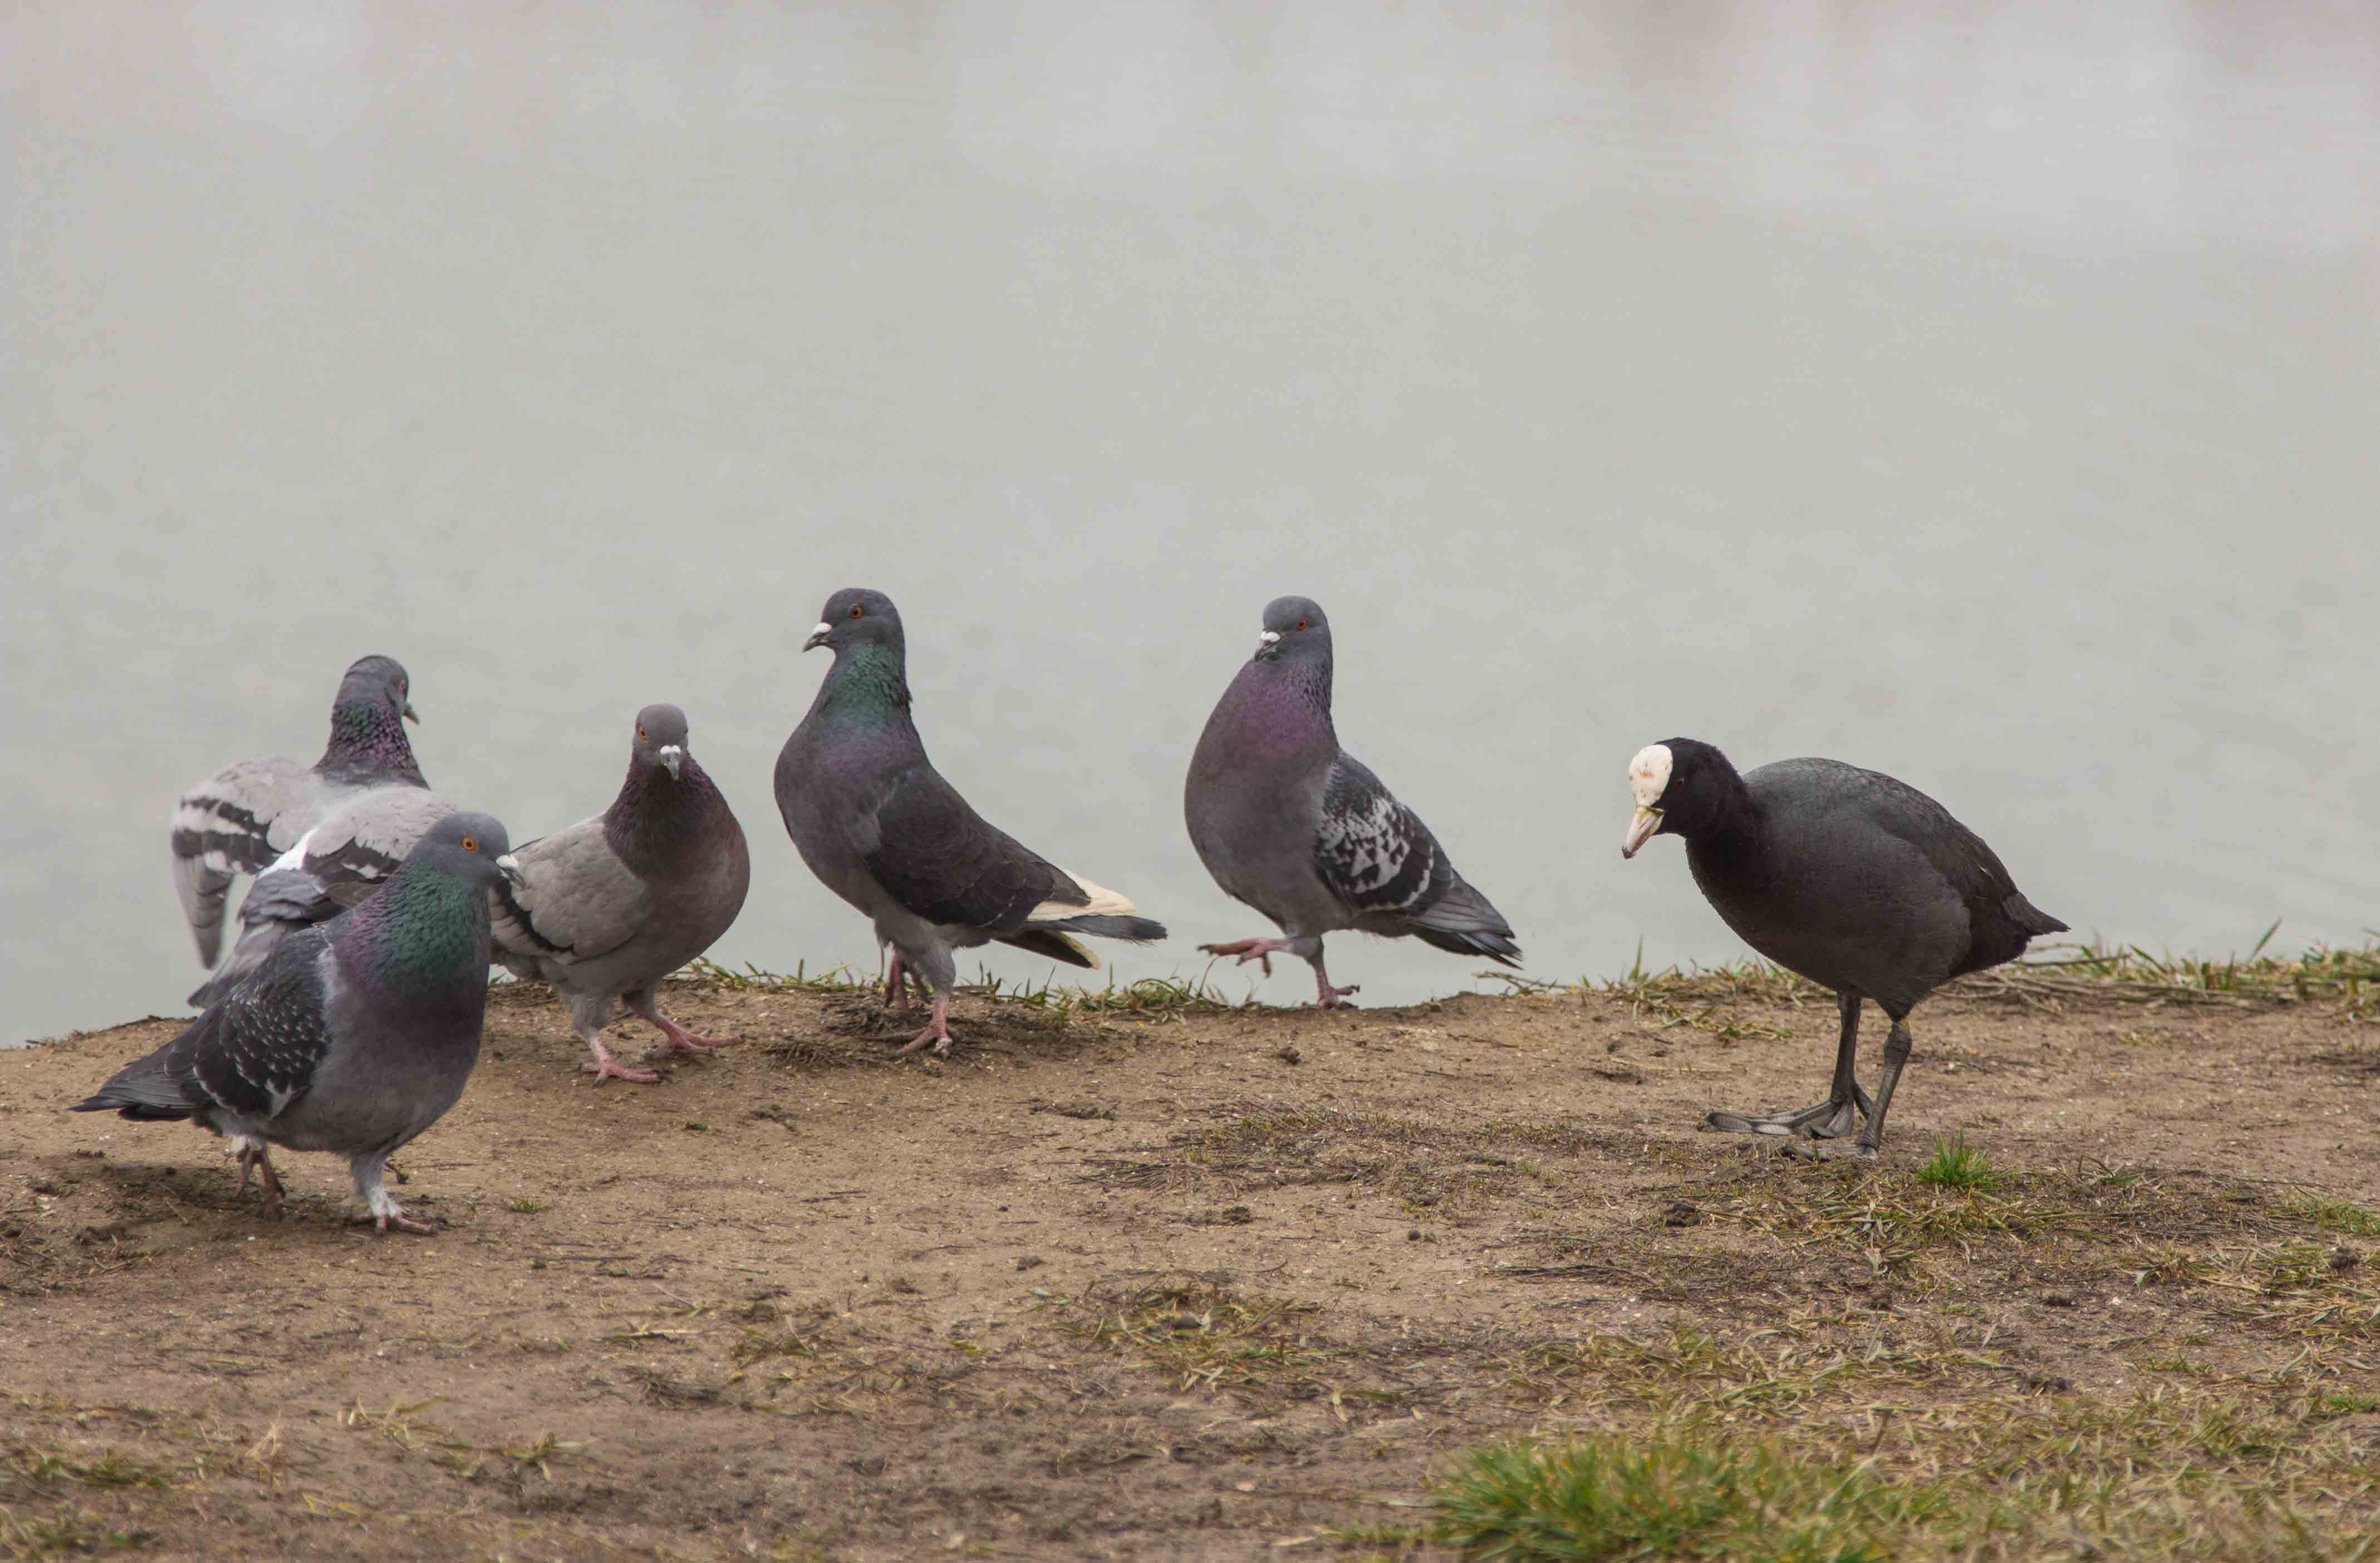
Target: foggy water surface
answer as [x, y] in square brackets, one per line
[1988, 396]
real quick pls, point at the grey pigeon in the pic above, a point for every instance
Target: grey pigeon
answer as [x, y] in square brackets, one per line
[352, 1037]
[882, 828]
[606, 909]
[1858, 881]
[241, 818]
[1303, 831]
[337, 864]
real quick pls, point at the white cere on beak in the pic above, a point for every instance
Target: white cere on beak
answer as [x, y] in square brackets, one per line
[507, 863]
[1269, 636]
[1648, 773]
[820, 631]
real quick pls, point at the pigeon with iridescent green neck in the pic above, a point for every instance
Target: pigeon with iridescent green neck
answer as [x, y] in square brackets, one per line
[880, 828]
[244, 816]
[353, 1036]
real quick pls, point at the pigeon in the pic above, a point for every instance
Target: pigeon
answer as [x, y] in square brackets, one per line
[880, 828]
[1858, 881]
[238, 820]
[334, 865]
[1303, 831]
[607, 908]
[352, 1037]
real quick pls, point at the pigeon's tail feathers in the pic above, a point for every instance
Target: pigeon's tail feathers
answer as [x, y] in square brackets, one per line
[1049, 942]
[1476, 941]
[1462, 921]
[145, 1088]
[1098, 900]
[1103, 925]
[2030, 918]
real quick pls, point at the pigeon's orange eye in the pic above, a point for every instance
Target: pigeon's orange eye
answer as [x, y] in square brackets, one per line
[856, 610]
[641, 733]
[470, 843]
[1301, 624]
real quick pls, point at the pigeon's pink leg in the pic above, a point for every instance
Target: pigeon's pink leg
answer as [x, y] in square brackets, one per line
[1326, 996]
[672, 1034]
[938, 1032]
[1261, 950]
[607, 1068]
[252, 1156]
[896, 992]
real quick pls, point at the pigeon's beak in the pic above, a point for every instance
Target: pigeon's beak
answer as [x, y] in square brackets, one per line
[510, 870]
[1640, 830]
[412, 716]
[1269, 644]
[673, 759]
[818, 637]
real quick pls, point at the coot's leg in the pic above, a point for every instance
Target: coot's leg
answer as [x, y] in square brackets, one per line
[1896, 1053]
[1829, 1119]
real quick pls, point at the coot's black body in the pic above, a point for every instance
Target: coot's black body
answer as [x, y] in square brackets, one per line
[1854, 880]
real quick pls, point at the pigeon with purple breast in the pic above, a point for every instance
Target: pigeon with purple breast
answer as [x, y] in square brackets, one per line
[1298, 828]
[607, 908]
[880, 828]
[351, 1037]
[244, 816]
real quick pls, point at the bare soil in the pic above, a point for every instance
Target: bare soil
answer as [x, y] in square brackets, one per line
[1187, 1285]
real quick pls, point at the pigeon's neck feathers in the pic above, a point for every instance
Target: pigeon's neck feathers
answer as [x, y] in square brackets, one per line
[368, 743]
[654, 820]
[1277, 706]
[422, 941]
[869, 685]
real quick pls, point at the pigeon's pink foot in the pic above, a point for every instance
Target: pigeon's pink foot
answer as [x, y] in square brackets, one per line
[605, 1066]
[937, 1032]
[1329, 997]
[396, 1221]
[676, 1036]
[1261, 950]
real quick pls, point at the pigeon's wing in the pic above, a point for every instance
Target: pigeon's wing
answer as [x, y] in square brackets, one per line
[575, 900]
[349, 855]
[1373, 851]
[235, 821]
[256, 1050]
[944, 863]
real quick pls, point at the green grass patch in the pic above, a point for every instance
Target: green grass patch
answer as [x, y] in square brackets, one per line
[1957, 1165]
[1614, 1497]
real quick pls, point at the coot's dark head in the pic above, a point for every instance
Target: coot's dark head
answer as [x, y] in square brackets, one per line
[1294, 630]
[1680, 787]
[857, 616]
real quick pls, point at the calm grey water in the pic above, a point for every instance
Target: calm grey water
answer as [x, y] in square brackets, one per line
[1988, 394]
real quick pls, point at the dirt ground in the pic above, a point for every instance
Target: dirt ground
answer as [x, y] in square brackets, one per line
[1181, 1285]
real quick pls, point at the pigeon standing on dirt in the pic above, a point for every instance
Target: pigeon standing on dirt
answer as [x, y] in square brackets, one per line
[1854, 880]
[352, 1037]
[1298, 828]
[240, 819]
[606, 909]
[337, 864]
[883, 829]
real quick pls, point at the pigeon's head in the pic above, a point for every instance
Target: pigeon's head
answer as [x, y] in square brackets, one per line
[857, 616]
[1294, 630]
[378, 682]
[1679, 789]
[661, 739]
[472, 848]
